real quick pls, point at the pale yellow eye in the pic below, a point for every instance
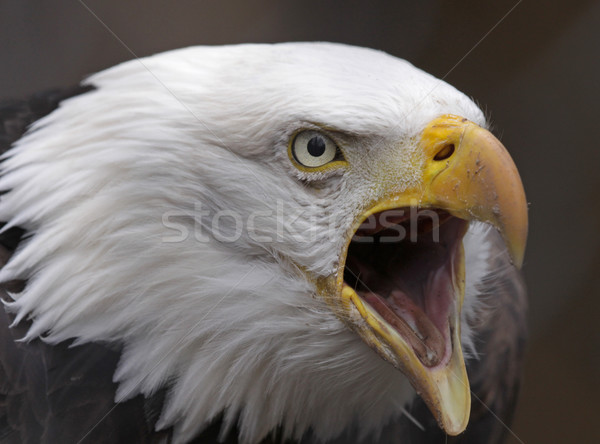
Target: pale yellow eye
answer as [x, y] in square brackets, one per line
[312, 149]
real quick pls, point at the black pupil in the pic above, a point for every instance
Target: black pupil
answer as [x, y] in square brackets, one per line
[316, 146]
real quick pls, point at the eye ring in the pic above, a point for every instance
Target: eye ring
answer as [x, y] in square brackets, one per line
[313, 151]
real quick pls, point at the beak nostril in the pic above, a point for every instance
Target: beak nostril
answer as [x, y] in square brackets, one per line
[445, 152]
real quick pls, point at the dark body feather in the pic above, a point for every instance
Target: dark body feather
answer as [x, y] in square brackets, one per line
[56, 394]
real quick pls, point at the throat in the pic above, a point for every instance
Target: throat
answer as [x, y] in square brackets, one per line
[411, 283]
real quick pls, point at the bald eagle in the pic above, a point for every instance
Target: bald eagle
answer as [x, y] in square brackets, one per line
[259, 243]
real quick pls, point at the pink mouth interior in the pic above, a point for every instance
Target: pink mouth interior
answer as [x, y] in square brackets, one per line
[407, 276]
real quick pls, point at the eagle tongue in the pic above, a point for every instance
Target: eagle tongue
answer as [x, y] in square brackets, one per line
[412, 323]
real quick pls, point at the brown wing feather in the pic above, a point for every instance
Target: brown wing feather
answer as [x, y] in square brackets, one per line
[54, 394]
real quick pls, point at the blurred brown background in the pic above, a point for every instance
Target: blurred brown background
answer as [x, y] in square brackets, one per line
[536, 73]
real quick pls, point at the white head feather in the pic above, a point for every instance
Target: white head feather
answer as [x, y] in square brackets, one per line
[119, 187]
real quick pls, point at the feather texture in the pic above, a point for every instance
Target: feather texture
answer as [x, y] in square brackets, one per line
[120, 187]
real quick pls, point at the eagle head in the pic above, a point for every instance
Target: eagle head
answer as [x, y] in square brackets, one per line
[292, 236]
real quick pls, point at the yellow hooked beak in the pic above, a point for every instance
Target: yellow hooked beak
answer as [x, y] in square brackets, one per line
[469, 174]
[474, 178]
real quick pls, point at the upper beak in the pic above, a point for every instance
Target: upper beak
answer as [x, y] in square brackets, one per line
[468, 173]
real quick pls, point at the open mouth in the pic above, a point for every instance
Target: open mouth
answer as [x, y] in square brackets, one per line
[403, 264]
[400, 279]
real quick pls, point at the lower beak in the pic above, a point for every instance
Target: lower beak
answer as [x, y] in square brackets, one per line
[444, 388]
